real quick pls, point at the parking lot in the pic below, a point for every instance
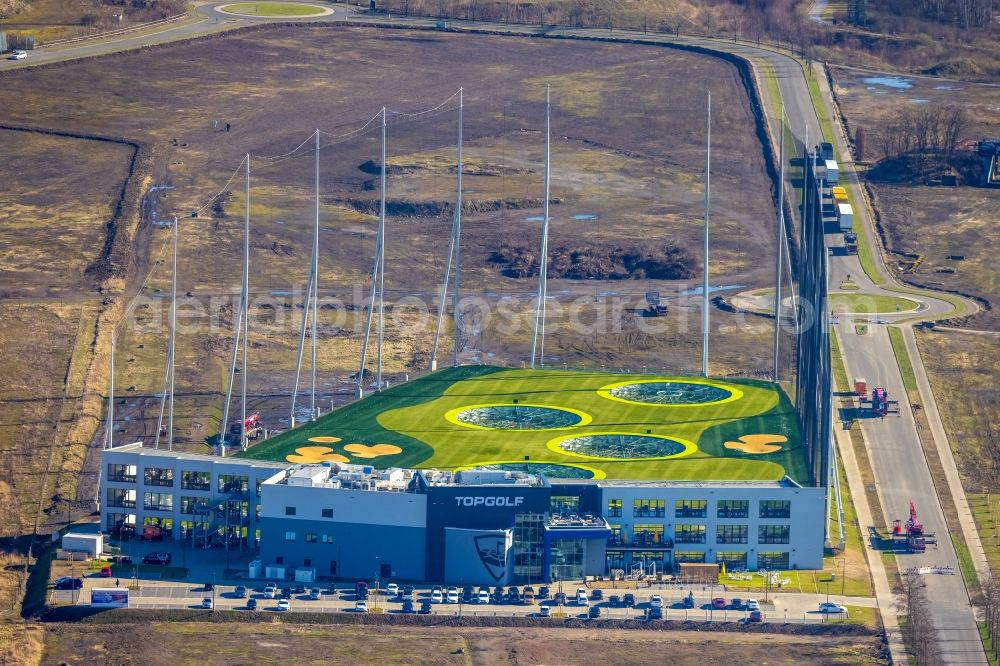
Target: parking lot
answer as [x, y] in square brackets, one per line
[343, 598]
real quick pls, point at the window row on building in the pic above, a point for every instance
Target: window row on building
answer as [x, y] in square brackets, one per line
[190, 480]
[655, 534]
[698, 508]
[308, 537]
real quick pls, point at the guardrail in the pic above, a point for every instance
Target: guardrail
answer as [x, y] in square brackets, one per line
[113, 33]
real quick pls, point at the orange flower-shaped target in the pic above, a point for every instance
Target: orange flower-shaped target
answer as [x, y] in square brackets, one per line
[373, 451]
[757, 444]
[315, 454]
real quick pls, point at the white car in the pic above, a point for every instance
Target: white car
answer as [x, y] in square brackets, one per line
[752, 605]
[545, 611]
[392, 589]
[829, 607]
[483, 597]
[581, 599]
[452, 596]
[207, 603]
[360, 607]
[270, 591]
[656, 601]
[18, 55]
[437, 597]
[284, 605]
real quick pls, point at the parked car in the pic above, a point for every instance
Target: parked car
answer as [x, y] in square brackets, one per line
[270, 591]
[498, 597]
[208, 587]
[284, 605]
[483, 597]
[425, 608]
[654, 613]
[392, 589]
[528, 597]
[69, 583]
[251, 604]
[452, 595]
[582, 600]
[756, 616]
[105, 572]
[407, 606]
[360, 606]
[829, 607]
[409, 593]
[753, 605]
[687, 602]
[513, 595]
[437, 596]
[207, 603]
[240, 592]
[615, 601]
[656, 601]
[286, 592]
[163, 559]
[467, 594]
[330, 589]
[21, 55]
[628, 601]
[315, 594]
[543, 592]
[545, 611]
[719, 603]
[560, 599]
[594, 612]
[596, 595]
[300, 589]
[737, 604]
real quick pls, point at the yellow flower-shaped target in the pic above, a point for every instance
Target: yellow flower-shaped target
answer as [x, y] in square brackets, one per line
[373, 451]
[757, 444]
[324, 440]
[315, 454]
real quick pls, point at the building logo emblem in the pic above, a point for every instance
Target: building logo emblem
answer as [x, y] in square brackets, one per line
[492, 551]
[489, 501]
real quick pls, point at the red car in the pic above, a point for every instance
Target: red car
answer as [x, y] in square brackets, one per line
[756, 616]
[719, 603]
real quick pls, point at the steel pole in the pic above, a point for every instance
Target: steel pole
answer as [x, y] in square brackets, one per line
[246, 306]
[778, 240]
[704, 285]
[173, 338]
[381, 264]
[456, 314]
[315, 291]
[538, 340]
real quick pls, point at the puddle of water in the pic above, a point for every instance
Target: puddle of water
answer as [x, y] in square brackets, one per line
[697, 290]
[281, 293]
[585, 217]
[537, 218]
[896, 82]
[915, 100]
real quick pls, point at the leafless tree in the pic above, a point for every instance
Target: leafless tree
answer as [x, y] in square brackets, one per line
[920, 635]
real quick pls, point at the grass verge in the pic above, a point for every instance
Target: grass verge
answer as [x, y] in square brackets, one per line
[902, 358]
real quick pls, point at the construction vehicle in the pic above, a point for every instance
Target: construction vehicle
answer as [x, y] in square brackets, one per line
[654, 307]
[913, 534]
[850, 242]
[879, 402]
[253, 424]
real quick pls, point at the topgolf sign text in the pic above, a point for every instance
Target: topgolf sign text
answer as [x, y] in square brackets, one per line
[489, 501]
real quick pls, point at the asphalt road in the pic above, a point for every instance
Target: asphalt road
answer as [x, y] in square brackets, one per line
[899, 465]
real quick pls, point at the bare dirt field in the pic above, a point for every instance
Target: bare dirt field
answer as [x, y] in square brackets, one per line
[950, 229]
[182, 643]
[627, 156]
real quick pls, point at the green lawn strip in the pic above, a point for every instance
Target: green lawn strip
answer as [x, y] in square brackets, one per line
[866, 255]
[870, 303]
[272, 9]
[965, 565]
[984, 518]
[902, 358]
[840, 383]
[990, 649]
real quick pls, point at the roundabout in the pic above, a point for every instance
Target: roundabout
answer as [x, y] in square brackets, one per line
[274, 10]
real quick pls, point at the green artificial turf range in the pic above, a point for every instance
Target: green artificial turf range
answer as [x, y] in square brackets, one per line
[417, 425]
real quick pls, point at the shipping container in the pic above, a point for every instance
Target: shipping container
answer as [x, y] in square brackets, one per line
[845, 216]
[832, 172]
